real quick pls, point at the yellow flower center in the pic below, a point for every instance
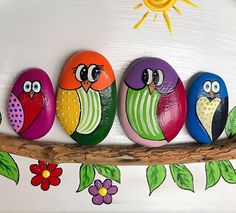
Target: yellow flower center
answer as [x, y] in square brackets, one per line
[46, 174]
[102, 191]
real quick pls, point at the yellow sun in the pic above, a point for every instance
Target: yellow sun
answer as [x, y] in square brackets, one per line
[160, 6]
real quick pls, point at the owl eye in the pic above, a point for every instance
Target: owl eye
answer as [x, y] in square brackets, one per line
[207, 86]
[27, 86]
[215, 87]
[147, 76]
[93, 73]
[158, 77]
[81, 73]
[36, 86]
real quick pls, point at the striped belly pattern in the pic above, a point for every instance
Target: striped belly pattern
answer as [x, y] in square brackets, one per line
[141, 108]
[90, 111]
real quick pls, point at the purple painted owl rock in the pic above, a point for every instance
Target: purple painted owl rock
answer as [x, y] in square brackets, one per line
[152, 102]
[31, 104]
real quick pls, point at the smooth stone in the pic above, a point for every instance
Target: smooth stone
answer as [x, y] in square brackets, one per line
[31, 104]
[207, 107]
[87, 97]
[152, 102]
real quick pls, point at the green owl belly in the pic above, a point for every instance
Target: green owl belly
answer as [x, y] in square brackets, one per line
[90, 115]
[141, 109]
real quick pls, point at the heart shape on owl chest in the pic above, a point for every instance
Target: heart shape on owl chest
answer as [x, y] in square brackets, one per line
[205, 111]
[32, 107]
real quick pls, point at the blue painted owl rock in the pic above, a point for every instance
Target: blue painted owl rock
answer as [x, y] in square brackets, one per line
[207, 107]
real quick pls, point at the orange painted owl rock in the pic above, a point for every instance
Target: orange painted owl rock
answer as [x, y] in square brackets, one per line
[86, 97]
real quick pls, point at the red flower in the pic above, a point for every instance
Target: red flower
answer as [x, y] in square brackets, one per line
[46, 174]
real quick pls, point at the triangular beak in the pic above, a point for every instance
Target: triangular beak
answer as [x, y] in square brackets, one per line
[31, 94]
[86, 85]
[151, 87]
[212, 94]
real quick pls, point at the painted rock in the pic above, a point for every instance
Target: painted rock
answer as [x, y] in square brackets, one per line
[152, 99]
[86, 97]
[31, 104]
[207, 107]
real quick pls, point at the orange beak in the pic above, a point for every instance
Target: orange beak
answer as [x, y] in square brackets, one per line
[212, 94]
[86, 85]
[151, 87]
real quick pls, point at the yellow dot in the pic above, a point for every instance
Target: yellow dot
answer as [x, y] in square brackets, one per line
[62, 93]
[68, 107]
[68, 93]
[102, 191]
[46, 174]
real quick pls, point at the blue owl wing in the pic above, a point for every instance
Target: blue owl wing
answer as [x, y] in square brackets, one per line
[220, 118]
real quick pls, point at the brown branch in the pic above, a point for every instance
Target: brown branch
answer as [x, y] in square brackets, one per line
[119, 154]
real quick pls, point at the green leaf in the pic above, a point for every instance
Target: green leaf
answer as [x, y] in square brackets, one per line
[112, 172]
[227, 171]
[212, 174]
[182, 176]
[86, 176]
[156, 175]
[8, 167]
[230, 127]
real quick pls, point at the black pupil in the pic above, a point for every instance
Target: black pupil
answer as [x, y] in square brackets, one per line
[83, 74]
[207, 86]
[27, 86]
[145, 76]
[36, 86]
[155, 77]
[95, 73]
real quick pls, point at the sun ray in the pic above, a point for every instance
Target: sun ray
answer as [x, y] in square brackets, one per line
[167, 20]
[155, 17]
[189, 2]
[138, 6]
[177, 10]
[136, 26]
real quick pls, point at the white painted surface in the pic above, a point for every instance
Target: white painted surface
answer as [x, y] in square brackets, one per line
[45, 33]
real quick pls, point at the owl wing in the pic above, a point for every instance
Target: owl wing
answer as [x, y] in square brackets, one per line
[68, 109]
[220, 118]
[15, 112]
[108, 105]
[171, 111]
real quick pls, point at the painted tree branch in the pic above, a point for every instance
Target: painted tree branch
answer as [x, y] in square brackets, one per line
[119, 155]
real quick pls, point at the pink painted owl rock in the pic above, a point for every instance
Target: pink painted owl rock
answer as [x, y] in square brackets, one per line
[31, 104]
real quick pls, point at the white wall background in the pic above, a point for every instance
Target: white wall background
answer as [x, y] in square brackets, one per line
[44, 33]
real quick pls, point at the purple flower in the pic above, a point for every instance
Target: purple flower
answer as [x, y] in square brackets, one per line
[102, 192]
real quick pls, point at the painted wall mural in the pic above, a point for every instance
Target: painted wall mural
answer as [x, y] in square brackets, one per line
[153, 7]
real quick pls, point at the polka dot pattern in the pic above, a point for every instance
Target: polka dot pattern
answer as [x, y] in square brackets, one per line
[205, 112]
[15, 112]
[68, 109]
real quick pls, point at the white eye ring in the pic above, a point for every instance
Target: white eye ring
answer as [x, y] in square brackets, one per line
[36, 86]
[150, 76]
[207, 86]
[161, 78]
[215, 87]
[27, 86]
[90, 70]
[78, 72]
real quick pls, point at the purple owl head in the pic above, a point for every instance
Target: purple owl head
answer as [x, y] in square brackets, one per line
[153, 72]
